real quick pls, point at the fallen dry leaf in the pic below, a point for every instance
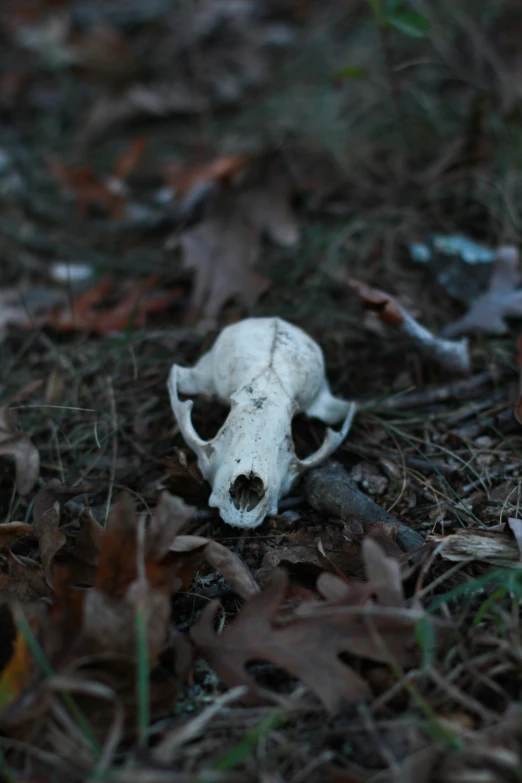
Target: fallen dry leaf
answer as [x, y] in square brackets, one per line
[502, 300]
[221, 252]
[170, 516]
[308, 648]
[308, 643]
[186, 479]
[22, 579]
[84, 555]
[186, 178]
[383, 573]
[85, 313]
[18, 445]
[12, 531]
[343, 591]
[87, 187]
[50, 537]
[306, 553]
[16, 675]
[94, 630]
[452, 355]
[229, 565]
[47, 519]
[223, 248]
[93, 190]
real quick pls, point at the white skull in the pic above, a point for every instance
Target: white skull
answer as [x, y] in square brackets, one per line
[266, 370]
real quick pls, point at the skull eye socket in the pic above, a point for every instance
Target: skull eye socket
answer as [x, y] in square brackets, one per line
[247, 491]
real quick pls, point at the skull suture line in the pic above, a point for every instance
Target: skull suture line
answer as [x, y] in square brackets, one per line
[267, 370]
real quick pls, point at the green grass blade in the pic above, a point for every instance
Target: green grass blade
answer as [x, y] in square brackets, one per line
[41, 659]
[142, 675]
[251, 738]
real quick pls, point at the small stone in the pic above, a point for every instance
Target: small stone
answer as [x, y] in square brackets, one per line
[369, 478]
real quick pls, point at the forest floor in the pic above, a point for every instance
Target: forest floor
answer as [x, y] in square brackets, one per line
[167, 168]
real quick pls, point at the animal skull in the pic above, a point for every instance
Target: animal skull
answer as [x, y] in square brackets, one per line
[267, 370]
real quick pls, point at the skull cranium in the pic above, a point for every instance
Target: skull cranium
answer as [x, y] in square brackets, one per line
[266, 370]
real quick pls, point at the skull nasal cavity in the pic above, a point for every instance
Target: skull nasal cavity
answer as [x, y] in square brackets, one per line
[247, 491]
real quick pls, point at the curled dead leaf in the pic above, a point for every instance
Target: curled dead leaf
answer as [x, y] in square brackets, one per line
[170, 516]
[12, 531]
[384, 574]
[47, 519]
[50, 537]
[22, 579]
[229, 565]
[19, 446]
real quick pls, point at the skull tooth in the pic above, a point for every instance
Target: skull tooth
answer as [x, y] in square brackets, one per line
[247, 491]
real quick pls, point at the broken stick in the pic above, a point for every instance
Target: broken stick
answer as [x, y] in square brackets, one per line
[452, 355]
[331, 490]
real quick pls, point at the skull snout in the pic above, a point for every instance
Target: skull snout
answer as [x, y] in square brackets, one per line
[246, 491]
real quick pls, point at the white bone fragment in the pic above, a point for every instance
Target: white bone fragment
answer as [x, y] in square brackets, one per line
[267, 371]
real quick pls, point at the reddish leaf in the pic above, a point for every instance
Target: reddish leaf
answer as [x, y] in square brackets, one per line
[133, 307]
[88, 188]
[185, 177]
[91, 189]
[384, 305]
[128, 161]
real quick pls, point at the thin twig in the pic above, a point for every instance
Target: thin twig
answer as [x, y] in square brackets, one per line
[114, 422]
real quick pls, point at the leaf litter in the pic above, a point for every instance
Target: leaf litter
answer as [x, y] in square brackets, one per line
[223, 249]
[309, 644]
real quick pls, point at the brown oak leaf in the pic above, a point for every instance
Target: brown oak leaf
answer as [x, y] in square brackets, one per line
[223, 249]
[47, 519]
[307, 645]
